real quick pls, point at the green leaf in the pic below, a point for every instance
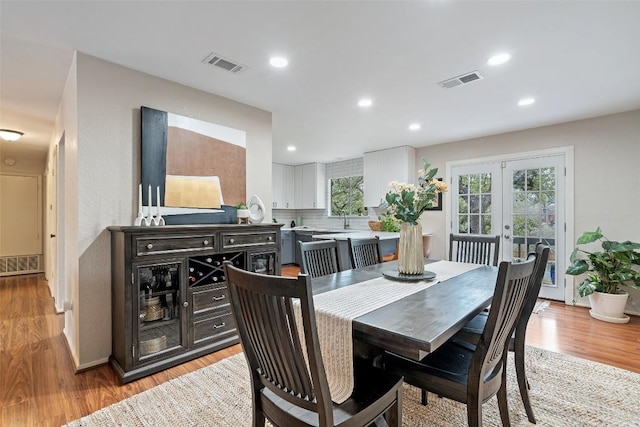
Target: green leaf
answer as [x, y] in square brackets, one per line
[578, 267]
[431, 174]
[572, 258]
[586, 288]
[624, 246]
[590, 236]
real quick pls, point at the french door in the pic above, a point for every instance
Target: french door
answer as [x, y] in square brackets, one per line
[523, 201]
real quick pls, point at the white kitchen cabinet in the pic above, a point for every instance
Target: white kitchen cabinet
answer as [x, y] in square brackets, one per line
[283, 186]
[382, 167]
[311, 186]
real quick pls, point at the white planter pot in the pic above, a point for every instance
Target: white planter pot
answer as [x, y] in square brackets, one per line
[609, 307]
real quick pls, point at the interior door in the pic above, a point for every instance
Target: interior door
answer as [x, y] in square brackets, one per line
[52, 222]
[523, 201]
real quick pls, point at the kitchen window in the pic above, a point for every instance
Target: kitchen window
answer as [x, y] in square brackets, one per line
[347, 196]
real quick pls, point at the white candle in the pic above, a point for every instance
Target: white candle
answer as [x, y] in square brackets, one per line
[140, 200]
[158, 200]
[149, 204]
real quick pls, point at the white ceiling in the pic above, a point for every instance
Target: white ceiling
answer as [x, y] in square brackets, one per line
[578, 59]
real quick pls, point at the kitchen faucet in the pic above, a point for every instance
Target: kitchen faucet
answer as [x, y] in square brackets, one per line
[346, 222]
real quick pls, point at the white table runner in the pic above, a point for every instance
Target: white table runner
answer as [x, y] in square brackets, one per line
[336, 309]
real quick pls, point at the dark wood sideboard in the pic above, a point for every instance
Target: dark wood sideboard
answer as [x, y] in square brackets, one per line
[169, 294]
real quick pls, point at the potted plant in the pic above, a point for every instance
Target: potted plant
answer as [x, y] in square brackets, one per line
[608, 269]
[243, 211]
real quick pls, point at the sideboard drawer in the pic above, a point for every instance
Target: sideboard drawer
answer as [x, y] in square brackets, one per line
[213, 328]
[209, 299]
[234, 240]
[173, 244]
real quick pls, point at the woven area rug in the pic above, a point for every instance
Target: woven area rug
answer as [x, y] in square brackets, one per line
[565, 391]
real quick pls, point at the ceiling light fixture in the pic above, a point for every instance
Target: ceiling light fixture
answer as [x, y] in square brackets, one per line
[10, 135]
[366, 102]
[526, 101]
[278, 61]
[291, 148]
[414, 126]
[499, 59]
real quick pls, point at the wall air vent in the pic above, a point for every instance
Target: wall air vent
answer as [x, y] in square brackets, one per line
[461, 80]
[225, 64]
[24, 264]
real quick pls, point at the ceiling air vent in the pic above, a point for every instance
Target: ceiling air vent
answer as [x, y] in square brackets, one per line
[225, 64]
[461, 80]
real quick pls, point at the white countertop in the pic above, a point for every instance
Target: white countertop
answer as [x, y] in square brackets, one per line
[359, 234]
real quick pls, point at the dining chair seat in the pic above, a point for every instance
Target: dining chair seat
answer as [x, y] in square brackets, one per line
[288, 379]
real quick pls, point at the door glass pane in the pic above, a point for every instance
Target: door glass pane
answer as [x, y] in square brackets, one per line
[485, 203]
[474, 204]
[548, 178]
[474, 198]
[463, 205]
[549, 278]
[533, 180]
[463, 224]
[531, 209]
[158, 308]
[262, 262]
[463, 184]
[474, 224]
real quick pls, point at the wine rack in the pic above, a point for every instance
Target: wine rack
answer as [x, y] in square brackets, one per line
[208, 269]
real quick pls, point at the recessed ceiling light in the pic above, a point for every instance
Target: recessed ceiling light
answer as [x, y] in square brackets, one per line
[278, 61]
[526, 101]
[501, 58]
[414, 126]
[365, 102]
[291, 148]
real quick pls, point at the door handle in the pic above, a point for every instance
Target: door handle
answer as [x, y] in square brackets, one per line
[506, 236]
[52, 235]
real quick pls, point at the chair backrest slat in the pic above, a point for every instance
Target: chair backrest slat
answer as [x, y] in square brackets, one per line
[474, 248]
[364, 252]
[319, 258]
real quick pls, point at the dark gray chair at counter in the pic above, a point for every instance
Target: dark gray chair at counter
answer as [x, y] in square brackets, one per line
[319, 258]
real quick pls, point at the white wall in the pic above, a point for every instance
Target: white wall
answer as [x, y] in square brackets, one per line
[607, 181]
[66, 280]
[108, 172]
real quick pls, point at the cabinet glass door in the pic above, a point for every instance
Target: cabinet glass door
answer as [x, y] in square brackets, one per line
[159, 309]
[263, 262]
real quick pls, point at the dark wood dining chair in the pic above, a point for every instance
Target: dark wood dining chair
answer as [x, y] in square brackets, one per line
[467, 373]
[364, 252]
[319, 258]
[288, 389]
[474, 248]
[472, 331]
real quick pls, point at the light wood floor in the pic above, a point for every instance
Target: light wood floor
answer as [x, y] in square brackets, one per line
[39, 388]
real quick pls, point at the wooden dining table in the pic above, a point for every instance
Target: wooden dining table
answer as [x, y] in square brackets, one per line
[419, 323]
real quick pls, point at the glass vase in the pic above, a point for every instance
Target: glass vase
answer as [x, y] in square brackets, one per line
[410, 253]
